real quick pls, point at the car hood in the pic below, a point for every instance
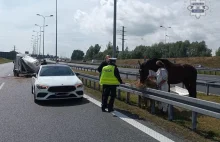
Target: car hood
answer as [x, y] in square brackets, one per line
[58, 80]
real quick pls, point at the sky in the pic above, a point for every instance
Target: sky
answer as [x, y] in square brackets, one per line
[82, 23]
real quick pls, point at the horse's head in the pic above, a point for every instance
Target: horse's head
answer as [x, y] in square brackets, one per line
[145, 67]
[144, 72]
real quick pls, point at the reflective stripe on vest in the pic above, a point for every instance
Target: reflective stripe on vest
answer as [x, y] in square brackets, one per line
[108, 76]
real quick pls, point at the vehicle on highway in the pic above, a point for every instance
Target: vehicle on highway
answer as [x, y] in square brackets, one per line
[56, 81]
[25, 64]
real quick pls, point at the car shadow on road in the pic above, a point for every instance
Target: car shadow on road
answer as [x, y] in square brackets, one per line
[63, 103]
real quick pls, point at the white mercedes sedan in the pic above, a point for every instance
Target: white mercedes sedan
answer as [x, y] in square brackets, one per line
[56, 81]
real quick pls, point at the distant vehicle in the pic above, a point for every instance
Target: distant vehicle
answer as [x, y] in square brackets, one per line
[25, 64]
[199, 66]
[56, 81]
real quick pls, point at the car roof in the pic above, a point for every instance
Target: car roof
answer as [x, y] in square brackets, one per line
[56, 65]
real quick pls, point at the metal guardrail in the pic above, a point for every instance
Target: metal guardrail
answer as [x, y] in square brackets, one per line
[199, 82]
[193, 104]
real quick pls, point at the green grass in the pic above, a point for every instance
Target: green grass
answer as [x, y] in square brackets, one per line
[3, 60]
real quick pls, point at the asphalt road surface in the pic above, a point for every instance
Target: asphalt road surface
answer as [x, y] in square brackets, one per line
[22, 120]
[201, 77]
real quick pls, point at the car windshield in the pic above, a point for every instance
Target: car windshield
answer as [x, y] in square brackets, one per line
[56, 71]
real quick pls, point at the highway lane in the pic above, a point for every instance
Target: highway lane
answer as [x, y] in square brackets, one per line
[200, 88]
[23, 120]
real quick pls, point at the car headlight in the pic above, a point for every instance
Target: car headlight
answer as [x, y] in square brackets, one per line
[79, 85]
[41, 86]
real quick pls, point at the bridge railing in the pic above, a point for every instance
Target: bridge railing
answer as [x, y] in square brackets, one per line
[197, 106]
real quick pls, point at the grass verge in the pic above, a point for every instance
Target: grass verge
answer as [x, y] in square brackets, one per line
[3, 60]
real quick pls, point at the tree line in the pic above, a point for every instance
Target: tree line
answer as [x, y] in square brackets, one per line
[158, 50]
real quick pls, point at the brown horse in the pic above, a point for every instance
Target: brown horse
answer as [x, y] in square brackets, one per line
[177, 73]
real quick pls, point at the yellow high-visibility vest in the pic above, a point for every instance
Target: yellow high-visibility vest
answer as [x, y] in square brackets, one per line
[108, 77]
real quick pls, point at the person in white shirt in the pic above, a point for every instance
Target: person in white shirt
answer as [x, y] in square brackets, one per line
[162, 78]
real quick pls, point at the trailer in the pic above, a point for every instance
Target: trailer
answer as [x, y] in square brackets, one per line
[25, 64]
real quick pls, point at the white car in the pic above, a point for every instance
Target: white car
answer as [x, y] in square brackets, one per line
[56, 82]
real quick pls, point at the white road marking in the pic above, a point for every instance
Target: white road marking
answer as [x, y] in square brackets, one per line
[134, 123]
[1, 86]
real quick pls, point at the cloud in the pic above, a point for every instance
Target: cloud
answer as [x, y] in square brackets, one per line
[87, 22]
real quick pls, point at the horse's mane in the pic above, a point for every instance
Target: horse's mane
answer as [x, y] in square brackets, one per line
[153, 61]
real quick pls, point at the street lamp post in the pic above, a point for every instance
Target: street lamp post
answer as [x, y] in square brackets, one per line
[114, 28]
[44, 17]
[40, 38]
[37, 39]
[56, 30]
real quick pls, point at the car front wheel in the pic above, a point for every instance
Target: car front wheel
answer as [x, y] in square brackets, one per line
[35, 100]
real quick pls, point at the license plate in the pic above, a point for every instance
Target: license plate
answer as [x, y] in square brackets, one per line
[61, 94]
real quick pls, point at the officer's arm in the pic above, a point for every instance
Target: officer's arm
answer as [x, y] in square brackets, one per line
[117, 75]
[100, 67]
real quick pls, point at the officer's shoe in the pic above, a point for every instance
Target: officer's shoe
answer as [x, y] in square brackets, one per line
[103, 109]
[111, 110]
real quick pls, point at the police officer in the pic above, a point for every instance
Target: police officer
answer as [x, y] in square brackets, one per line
[44, 62]
[110, 79]
[104, 63]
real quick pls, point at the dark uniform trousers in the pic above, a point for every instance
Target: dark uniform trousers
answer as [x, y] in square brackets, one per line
[108, 90]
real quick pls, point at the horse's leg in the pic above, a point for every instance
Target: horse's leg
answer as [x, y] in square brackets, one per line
[193, 89]
[168, 87]
[187, 85]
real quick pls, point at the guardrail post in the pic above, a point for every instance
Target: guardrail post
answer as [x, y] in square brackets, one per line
[86, 82]
[90, 83]
[94, 85]
[136, 77]
[99, 88]
[119, 94]
[194, 120]
[215, 73]
[126, 76]
[139, 101]
[170, 112]
[84, 69]
[127, 97]
[152, 105]
[83, 80]
[207, 90]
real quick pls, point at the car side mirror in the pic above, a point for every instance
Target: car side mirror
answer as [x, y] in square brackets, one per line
[77, 74]
[34, 75]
